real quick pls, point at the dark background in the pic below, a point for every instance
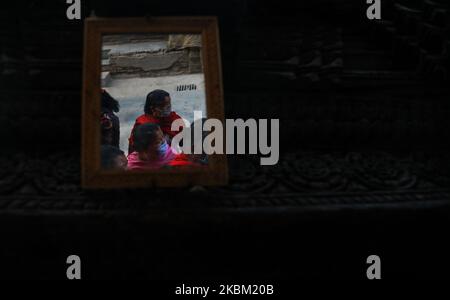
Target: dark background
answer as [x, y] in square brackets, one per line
[364, 165]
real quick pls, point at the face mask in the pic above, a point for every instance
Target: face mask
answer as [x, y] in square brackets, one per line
[162, 149]
[165, 112]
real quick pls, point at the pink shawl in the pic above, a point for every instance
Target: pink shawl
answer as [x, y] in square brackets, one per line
[134, 163]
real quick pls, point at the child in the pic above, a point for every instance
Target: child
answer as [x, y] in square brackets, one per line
[157, 110]
[152, 151]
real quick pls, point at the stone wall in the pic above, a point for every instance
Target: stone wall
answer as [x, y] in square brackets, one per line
[147, 56]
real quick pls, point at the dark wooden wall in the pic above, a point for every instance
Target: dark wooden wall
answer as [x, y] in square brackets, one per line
[364, 112]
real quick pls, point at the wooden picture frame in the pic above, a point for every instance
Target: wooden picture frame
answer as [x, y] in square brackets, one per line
[93, 177]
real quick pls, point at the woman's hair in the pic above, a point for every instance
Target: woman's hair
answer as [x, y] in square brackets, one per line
[108, 102]
[109, 153]
[155, 98]
[145, 136]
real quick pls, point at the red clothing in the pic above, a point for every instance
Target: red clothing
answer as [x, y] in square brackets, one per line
[135, 163]
[169, 159]
[182, 160]
[165, 124]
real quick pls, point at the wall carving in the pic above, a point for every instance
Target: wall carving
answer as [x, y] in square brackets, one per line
[301, 179]
[323, 82]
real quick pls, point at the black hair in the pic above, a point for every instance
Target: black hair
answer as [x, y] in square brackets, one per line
[155, 98]
[108, 102]
[144, 136]
[109, 153]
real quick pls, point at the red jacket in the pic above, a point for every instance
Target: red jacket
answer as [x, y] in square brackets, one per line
[165, 124]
